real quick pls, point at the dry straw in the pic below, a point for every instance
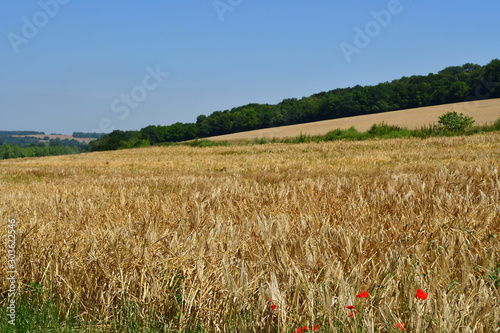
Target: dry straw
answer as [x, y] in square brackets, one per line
[209, 235]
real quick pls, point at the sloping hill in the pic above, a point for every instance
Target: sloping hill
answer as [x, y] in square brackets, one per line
[483, 112]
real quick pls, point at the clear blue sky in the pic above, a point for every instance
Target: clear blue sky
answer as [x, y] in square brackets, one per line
[76, 69]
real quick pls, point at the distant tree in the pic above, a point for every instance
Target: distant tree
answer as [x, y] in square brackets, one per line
[112, 141]
[458, 92]
[468, 67]
[492, 77]
[87, 135]
[55, 142]
[203, 125]
[7, 152]
[150, 133]
[2, 133]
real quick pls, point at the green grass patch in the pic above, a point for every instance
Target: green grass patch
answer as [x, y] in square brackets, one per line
[377, 131]
[205, 143]
[38, 309]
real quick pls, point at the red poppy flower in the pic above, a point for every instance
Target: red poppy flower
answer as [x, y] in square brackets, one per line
[304, 328]
[421, 294]
[400, 326]
[353, 314]
[350, 307]
[273, 307]
[316, 327]
[298, 330]
[364, 294]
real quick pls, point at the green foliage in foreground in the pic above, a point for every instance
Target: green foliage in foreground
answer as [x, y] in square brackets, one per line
[39, 310]
[36, 311]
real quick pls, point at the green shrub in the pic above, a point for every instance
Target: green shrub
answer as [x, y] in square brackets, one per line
[352, 134]
[383, 129]
[333, 135]
[452, 121]
[496, 125]
[206, 143]
[349, 134]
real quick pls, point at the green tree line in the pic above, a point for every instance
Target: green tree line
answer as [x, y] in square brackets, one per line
[7, 133]
[87, 135]
[450, 85]
[36, 150]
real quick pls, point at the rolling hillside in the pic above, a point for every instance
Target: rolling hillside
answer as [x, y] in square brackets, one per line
[483, 112]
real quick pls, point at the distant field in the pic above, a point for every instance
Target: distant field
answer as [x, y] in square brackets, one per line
[62, 137]
[259, 238]
[483, 112]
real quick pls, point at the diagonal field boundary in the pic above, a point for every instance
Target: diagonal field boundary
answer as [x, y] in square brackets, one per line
[483, 112]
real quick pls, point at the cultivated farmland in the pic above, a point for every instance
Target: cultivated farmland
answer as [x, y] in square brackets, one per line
[482, 111]
[210, 238]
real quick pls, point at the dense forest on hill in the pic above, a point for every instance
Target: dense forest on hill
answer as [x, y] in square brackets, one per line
[450, 85]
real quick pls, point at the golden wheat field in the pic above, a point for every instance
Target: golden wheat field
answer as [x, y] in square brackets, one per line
[266, 238]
